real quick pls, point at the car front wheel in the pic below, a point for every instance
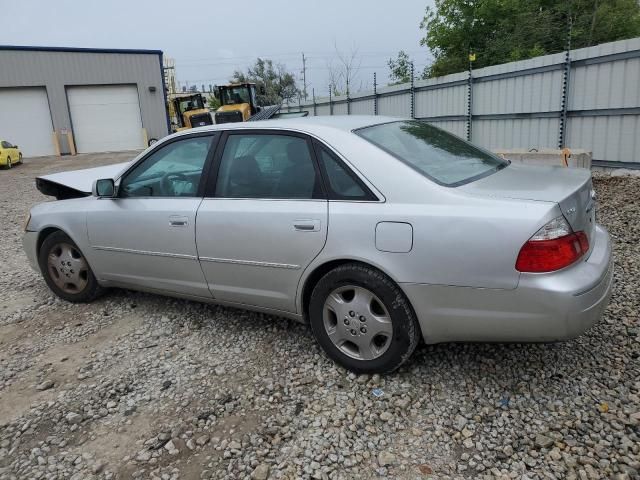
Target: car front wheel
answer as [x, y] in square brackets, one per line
[362, 319]
[9, 165]
[66, 270]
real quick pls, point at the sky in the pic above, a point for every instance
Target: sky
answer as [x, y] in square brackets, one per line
[211, 39]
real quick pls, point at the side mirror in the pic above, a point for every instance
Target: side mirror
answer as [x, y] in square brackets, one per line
[16, 146]
[105, 187]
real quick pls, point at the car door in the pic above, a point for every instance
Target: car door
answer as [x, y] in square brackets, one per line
[145, 236]
[263, 220]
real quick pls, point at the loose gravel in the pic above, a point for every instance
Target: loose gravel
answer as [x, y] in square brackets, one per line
[141, 386]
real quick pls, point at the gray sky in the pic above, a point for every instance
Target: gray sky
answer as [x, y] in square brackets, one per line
[209, 40]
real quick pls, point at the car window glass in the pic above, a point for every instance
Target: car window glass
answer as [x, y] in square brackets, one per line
[6, 144]
[342, 184]
[173, 170]
[436, 154]
[267, 166]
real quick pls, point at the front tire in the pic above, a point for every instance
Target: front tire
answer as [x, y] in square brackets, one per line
[9, 165]
[362, 320]
[20, 159]
[66, 270]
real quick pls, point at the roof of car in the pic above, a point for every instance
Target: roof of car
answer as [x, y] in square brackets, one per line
[309, 124]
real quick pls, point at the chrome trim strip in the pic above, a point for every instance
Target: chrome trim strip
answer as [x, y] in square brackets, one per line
[145, 252]
[251, 263]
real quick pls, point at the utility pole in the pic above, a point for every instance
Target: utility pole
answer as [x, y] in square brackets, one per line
[304, 76]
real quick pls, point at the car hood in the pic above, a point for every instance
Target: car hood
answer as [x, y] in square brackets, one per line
[77, 183]
[524, 182]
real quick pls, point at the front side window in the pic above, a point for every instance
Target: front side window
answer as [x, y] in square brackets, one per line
[6, 144]
[173, 170]
[267, 166]
[438, 155]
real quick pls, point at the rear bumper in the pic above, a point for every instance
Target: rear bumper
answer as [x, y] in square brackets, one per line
[30, 245]
[544, 307]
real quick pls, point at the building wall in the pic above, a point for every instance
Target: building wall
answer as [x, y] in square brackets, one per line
[57, 70]
[519, 104]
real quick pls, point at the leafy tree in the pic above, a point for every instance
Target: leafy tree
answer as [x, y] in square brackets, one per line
[274, 84]
[500, 31]
[400, 68]
[212, 102]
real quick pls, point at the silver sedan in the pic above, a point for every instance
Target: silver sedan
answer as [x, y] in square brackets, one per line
[376, 231]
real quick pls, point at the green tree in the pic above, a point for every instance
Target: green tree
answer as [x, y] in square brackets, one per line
[274, 84]
[400, 68]
[213, 103]
[500, 31]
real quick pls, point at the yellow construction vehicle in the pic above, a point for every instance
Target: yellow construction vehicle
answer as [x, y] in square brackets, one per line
[238, 102]
[189, 111]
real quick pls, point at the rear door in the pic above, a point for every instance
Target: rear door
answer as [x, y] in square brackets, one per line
[263, 220]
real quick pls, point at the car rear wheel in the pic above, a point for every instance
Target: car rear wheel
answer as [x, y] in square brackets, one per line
[20, 159]
[362, 320]
[66, 270]
[9, 165]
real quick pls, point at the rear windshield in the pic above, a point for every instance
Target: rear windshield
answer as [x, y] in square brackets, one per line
[438, 155]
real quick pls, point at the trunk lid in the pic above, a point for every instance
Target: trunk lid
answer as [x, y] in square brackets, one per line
[570, 188]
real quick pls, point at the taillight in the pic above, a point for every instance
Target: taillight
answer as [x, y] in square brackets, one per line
[553, 247]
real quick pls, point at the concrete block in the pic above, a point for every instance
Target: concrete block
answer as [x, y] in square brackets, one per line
[547, 156]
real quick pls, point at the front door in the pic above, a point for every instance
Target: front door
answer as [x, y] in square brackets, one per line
[264, 219]
[146, 236]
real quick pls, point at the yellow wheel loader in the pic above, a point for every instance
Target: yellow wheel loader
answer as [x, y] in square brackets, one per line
[189, 111]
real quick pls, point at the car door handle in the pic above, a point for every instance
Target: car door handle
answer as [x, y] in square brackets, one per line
[177, 221]
[306, 225]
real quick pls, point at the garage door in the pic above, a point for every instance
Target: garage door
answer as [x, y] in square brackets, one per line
[25, 120]
[105, 118]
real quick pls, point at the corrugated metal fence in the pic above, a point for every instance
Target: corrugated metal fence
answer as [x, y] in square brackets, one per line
[520, 104]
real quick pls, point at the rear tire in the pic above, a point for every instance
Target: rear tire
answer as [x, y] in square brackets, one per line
[362, 320]
[20, 160]
[66, 270]
[9, 165]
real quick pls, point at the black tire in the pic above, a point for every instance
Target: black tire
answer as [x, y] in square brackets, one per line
[89, 292]
[9, 165]
[404, 324]
[20, 160]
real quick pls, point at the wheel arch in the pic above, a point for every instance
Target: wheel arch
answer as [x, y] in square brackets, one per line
[48, 230]
[318, 271]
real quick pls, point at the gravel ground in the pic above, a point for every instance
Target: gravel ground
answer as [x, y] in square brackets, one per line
[142, 386]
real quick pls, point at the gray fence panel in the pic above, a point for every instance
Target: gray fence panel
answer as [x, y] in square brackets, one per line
[525, 133]
[395, 105]
[615, 137]
[340, 108]
[321, 110]
[540, 92]
[441, 102]
[362, 107]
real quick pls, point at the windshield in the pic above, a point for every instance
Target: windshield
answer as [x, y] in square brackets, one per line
[235, 95]
[191, 103]
[438, 155]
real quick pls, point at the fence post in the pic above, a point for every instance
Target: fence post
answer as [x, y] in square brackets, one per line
[313, 94]
[470, 101]
[413, 94]
[299, 104]
[562, 131]
[348, 99]
[330, 103]
[375, 95]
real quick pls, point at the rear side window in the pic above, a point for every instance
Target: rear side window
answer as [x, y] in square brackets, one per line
[342, 183]
[436, 154]
[267, 166]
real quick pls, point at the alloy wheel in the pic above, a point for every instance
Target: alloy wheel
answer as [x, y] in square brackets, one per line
[357, 322]
[68, 268]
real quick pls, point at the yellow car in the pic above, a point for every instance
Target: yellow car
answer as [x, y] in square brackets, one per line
[9, 154]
